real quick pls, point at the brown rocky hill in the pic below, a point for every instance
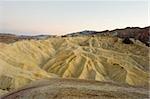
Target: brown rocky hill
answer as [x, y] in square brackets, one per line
[142, 34]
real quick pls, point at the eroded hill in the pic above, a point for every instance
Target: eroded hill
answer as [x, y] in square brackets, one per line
[103, 58]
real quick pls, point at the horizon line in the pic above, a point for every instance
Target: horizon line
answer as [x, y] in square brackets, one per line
[26, 34]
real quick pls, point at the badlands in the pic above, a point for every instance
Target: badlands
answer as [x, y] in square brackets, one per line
[80, 67]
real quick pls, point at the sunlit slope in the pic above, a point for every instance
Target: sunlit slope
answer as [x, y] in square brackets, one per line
[20, 61]
[98, 58]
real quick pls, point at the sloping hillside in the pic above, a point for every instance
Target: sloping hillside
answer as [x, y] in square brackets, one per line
[77, 89]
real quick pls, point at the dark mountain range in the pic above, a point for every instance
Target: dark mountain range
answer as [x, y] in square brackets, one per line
[142, 34]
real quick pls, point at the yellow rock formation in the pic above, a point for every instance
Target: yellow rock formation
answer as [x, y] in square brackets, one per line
[97, 58]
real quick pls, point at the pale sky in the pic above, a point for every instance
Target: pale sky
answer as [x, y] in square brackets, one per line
[61, 17]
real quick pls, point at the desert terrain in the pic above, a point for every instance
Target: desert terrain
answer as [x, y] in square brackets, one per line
[99, 65]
